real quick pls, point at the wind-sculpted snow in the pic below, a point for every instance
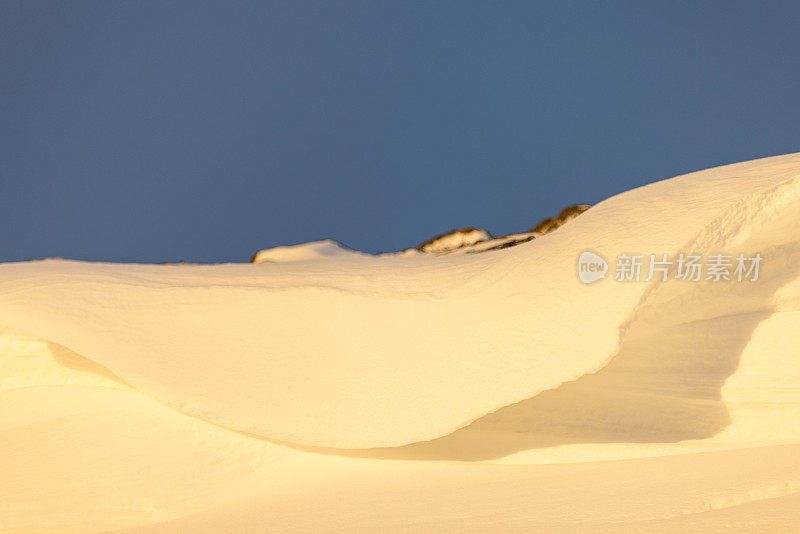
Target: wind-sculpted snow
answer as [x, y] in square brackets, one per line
[364, 352]
[608, 406]
[668, 380]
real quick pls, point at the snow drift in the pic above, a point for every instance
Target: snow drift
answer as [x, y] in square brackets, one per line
[349, 353]
[136, 395]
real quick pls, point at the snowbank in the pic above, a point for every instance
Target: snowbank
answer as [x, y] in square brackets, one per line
[142, 394]
[376, 341]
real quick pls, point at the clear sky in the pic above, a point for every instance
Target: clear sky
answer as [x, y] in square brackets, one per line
[204, 131]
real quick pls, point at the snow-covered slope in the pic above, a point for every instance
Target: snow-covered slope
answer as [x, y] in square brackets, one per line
[327, 368]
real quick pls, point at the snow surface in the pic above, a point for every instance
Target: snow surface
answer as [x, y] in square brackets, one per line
[217, 398]
[316, 250]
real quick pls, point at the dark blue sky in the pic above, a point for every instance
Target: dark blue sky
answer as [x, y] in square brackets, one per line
[161, 131]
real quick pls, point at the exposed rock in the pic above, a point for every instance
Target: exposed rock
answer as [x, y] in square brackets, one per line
[468, 240]
[455, 239]
[546, 226]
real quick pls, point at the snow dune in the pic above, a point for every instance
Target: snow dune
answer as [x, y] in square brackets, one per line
[292, 381]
